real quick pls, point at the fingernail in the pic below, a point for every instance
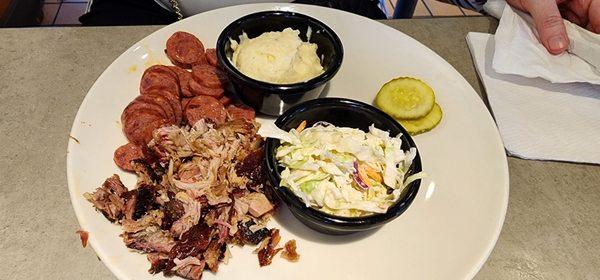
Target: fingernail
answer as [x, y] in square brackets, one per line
[557, 43]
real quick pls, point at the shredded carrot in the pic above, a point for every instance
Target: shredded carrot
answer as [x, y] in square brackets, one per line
[373, 173]
[301, 127]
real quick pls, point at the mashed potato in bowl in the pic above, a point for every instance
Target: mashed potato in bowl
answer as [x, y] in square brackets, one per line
[278, 57]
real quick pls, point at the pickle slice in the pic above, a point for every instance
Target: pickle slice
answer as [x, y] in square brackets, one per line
[424, 124]
[405, 98]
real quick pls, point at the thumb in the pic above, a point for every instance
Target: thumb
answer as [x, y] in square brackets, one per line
[549, 24]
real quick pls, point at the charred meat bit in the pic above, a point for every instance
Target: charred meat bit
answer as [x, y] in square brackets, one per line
[192, 242]
[189, 268]
[146, 174]
[213, 254]
[252, 167]
[249, 237]
[108, 198]
[268, 251]
[153, 218]
[159, 262]
[151, 239]
[145, 201]
[173, 210]
[289, 251]
[83, 235]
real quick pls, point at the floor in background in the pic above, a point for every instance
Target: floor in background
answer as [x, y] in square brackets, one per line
[433, 8]
[63, 12]
[67, 12]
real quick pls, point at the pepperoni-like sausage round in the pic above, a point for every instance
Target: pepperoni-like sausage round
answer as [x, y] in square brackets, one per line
[240, 111]
[138, 129]
[184, 78]
[136, 107]
[209, 76]
[135, 118]
[184, 102]
[161, 100]
[127, 153]
[205, 107]
[184, 49]
[159, 77]
[211, 57]
[200, 61]
[198, 89]
[173, 101]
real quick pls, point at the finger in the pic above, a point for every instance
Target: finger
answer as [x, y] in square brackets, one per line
[517, 4]
[579, 8]
[549, 24]
[594, 16]
[571, 16]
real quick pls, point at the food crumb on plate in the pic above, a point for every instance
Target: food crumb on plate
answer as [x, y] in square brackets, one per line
[75, 139]
[83, 235]
[132, 69]
[289, 251]
[267, 249]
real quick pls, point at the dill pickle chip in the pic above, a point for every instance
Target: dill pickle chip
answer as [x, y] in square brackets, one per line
[424, 124]
[405, 98]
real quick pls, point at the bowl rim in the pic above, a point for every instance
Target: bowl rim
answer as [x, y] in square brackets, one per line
[311, 213]
[295, 87]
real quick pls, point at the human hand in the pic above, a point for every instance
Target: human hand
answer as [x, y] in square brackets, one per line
[547, 16]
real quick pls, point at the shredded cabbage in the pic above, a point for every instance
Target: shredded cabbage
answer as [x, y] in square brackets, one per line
[343, 171]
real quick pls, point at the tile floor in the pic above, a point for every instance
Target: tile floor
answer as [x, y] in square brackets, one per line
[63, 12]
[433, 8]
[67, 12]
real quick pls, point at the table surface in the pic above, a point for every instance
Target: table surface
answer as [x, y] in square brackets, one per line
[551, 231]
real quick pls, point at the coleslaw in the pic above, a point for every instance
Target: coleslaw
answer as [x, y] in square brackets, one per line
[340, 170]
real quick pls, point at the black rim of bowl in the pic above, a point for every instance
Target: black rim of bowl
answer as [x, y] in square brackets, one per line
[409, 192]
[312, 83]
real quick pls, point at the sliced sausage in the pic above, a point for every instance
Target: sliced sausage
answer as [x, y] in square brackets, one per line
[136, 127]
[211, 57]
[127, 153]
[136, 107]
[209, 76]
[184, 49]
[184, 77]
[159, 77]
[184, 102]
[200, 61]
[162, 101]
[173, 101]
[139, 129]
[240, 111]
[205, 107]
[198, 89]
[149, 128]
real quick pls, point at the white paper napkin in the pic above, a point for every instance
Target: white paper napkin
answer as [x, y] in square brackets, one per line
[519, 52]
[538, 119]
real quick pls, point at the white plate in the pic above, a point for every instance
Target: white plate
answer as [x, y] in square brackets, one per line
[447, 233]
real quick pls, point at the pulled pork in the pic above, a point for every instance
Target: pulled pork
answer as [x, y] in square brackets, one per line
[198, 190]
[289, 251]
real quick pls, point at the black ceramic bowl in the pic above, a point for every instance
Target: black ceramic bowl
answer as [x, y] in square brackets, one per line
[344, 113]
[274, 99]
